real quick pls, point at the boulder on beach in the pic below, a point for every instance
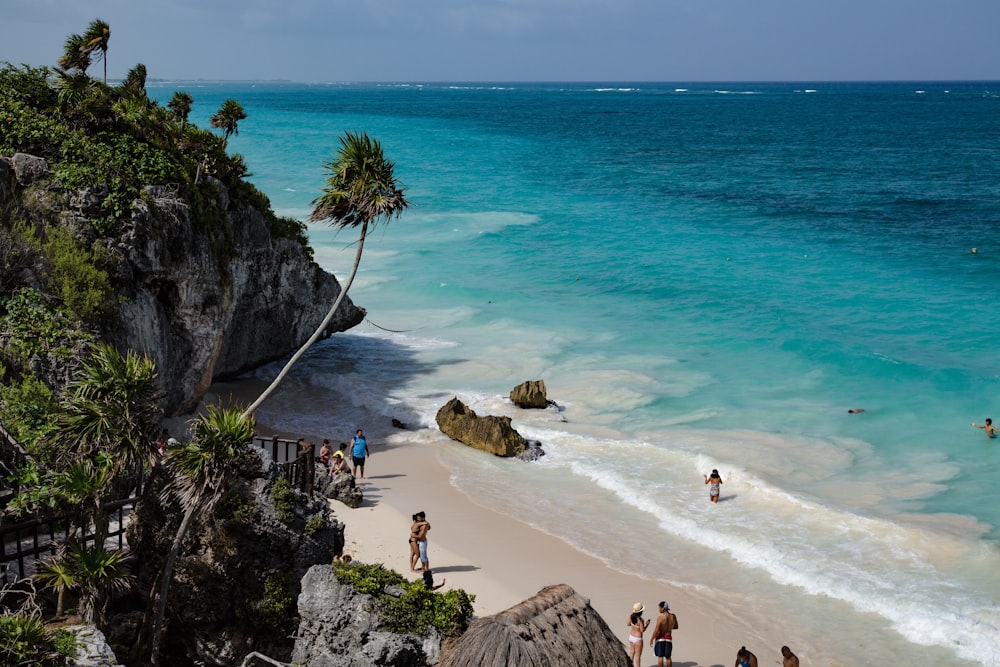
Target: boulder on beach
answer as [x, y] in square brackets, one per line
[490, 434]
[530, 394]
[543, 630]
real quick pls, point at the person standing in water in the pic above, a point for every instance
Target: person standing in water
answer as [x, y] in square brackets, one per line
[359, 452]
[715, 481]
[991, 431]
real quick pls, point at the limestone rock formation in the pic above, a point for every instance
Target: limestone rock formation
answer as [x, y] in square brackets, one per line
[209, 289]
[239, 571]
[556, 627]
[341, 486]
[206, 313]
[337, 628]
[490, 434]
[92, 649]
[530, 394]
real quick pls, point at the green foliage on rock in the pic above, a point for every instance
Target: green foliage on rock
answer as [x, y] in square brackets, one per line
[31, 327]
[283, 498]
[78, 274]
[418, 607]
[28, 409]
[25, 640]
[275, 610]
[314, 524]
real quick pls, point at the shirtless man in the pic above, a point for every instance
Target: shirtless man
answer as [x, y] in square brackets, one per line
[788, 659]
[662, 639]
[991, 431]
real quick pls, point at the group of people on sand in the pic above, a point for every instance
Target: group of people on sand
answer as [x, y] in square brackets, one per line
[336, 461]
[663, 644]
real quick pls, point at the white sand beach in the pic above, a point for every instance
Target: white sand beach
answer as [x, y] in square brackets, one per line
[503, 561]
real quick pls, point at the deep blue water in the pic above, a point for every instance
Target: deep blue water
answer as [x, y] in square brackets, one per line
[714, 271]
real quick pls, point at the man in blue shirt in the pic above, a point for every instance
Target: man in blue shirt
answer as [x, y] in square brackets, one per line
[359, 451]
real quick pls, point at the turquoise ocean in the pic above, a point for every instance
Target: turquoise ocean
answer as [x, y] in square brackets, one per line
[705, 276]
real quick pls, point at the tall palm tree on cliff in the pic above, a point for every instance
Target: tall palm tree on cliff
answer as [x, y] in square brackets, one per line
[202, 469]
[228, 118]
[95, 42]
[180, 105]
[360, 190]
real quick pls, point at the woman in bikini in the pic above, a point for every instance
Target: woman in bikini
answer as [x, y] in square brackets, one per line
[415, 529]
[715, 481]
[637, 626]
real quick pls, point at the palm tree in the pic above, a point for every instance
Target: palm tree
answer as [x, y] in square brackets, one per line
[135, 81]
[98, 573]
[95, 42]
[57, 574]
[228, 118]
[202, 469]
[180, 104]
[361, 189]
[111, 407]
[75, 55]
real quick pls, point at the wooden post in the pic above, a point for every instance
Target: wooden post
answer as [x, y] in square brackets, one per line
[310, 469]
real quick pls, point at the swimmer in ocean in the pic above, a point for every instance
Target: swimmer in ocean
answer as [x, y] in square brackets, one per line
[991, 431]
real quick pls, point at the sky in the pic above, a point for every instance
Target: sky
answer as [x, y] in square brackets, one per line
[521, 40]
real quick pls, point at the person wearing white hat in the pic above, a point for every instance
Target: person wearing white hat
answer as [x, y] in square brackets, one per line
[637, 625]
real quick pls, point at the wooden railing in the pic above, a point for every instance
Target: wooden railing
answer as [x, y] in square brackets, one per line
[298, 465]
[23, 543]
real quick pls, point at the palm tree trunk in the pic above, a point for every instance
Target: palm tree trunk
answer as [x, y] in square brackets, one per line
[168, 573]
[316, 334]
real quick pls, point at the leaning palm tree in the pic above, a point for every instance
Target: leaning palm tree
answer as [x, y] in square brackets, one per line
[95, 42]
[202, 468]
[228, 118]
[361, 190]
[75, 55]
[180, 105]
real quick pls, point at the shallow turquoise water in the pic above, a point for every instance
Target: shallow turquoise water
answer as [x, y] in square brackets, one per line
[705, 275]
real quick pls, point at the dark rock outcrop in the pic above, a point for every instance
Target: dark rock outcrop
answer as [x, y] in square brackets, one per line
[239, 571]
[556, 627]
[337, 628]
[530, 394]
[340, 486]
[28, 168]
[490, 434]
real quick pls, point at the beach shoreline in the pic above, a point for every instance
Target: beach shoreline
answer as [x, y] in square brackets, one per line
[503, 561]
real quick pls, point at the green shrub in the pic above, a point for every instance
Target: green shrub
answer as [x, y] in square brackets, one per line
[28, 409]
[24, 640]
[314, 524]
[283, 498]
[275, 610]
[236, 511]
[35, 328]
[418, 607]
[77, 275]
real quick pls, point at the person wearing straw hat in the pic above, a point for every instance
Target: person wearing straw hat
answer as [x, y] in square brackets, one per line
[637, 625]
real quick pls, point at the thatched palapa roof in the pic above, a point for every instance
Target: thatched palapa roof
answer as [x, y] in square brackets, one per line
[556, 627]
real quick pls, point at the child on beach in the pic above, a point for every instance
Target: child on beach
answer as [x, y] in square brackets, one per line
[637, 625]
[715, 481]
[745, 658]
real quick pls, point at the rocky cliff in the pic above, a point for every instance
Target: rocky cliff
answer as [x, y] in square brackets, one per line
[207, 288]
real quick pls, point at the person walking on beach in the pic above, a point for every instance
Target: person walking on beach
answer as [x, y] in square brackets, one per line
[991, 431]
[788, 659]
[359, 452]
[715, 482]
[637, 625]
[662, 640]
[422, 527]
[745, 658]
